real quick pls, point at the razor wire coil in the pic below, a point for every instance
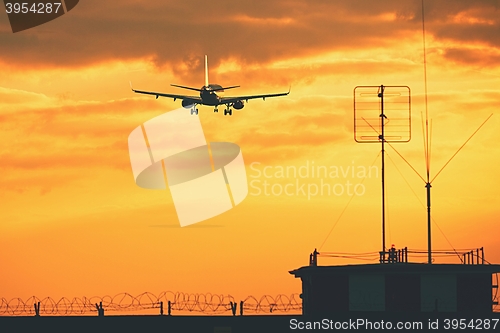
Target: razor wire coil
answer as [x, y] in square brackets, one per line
[124, 302]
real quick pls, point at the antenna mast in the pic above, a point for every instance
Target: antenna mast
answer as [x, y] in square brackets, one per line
[382, 139]
[427, 149]
[369, 128]
[426, 145]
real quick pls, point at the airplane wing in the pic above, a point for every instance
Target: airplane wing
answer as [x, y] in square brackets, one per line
[225, 100]
[195, 99]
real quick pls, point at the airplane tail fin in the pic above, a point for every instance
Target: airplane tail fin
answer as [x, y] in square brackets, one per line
[206, 71]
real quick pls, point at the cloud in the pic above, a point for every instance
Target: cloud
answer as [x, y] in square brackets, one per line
[48, 143]
[480, 57]
[174, 34]
[13, 96]
[465, 21]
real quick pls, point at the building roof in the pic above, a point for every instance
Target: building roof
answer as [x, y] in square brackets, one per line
[397, 268]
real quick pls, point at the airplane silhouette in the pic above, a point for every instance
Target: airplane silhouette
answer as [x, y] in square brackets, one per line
[210, 94]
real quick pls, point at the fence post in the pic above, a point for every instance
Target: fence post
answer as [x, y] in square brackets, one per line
[241, 308]
[37, 309]
[100, 310]
[161, 308]
[169, 310]
[234, 306]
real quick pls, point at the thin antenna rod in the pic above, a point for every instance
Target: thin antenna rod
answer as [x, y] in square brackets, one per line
[429, 154]
[484, 122]
[404, 159]
[426, 144]
[424, 139]
[397, 152]
[426, 104]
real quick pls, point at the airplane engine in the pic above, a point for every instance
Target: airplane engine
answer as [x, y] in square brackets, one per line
[238, 105]
[186, 103]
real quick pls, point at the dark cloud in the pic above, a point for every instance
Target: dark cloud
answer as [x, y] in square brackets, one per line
[474, 57]
[82, 136]
[181, 32]
[476, 22]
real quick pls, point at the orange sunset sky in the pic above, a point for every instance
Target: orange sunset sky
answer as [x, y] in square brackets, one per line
[74, 223]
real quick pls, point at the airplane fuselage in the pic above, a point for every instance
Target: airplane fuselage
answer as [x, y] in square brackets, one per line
[211, 94]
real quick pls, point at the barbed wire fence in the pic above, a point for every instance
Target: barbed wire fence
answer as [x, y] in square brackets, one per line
[167, 302]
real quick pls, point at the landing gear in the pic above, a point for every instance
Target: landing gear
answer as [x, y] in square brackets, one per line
[194, 111]
[216, 110]
[228, 110]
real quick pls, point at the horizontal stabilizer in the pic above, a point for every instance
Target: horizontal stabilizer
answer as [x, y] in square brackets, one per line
[184, 87]
[225, 88]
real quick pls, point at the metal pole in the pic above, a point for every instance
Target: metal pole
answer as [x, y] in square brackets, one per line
[382, 139]
[429, 246]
